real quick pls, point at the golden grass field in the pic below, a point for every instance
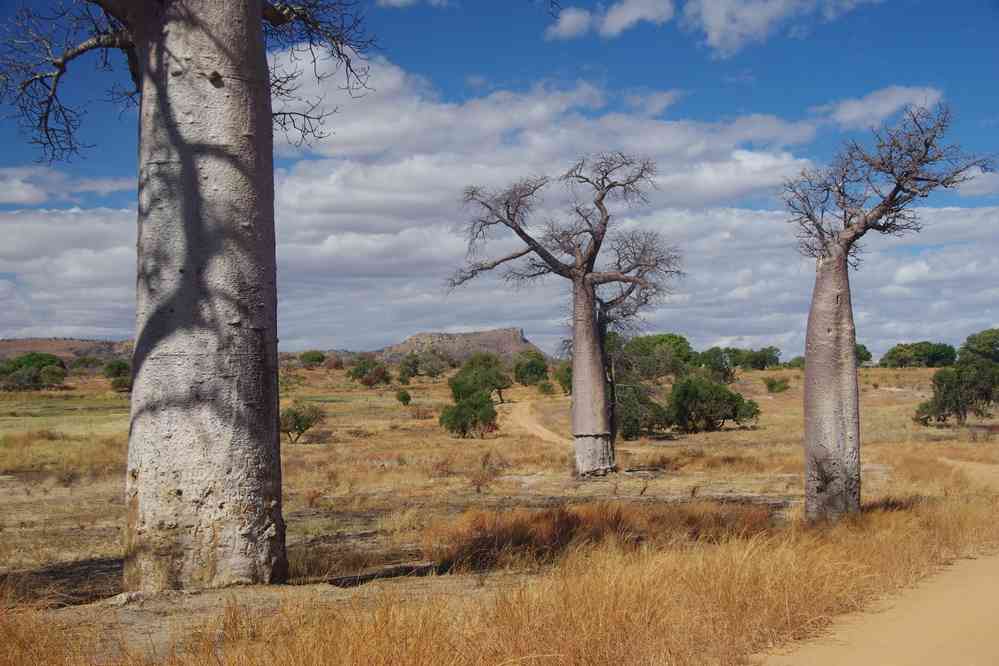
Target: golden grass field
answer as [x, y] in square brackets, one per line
[697, 555]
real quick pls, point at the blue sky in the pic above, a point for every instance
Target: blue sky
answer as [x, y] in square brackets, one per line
[729, 97]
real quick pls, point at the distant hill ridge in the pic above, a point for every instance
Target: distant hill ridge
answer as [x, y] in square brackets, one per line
[66, 348]
[504, 342]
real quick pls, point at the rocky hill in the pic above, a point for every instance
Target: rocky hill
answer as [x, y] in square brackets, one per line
[504, 342]
[66, 348]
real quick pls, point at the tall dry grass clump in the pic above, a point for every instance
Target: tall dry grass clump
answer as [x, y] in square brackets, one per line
[709, 602]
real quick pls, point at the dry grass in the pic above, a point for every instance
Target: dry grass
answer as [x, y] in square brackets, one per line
[709, 603]
[621, 573]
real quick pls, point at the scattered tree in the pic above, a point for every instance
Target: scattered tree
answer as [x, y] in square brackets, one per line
[863, 354]
[796, 362]
[473, 414]
[402, 395]
[563, 375]
[311, 359]
[481, 373]
[117, 368]
[776, 384]
[864, 189]
[530, 368]
[919, 355]
[299, 419]
[121, 384]
[635, 273]
[698, 404]
[52, 375]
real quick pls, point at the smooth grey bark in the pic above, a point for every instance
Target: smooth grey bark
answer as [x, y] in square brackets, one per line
[591, 428]
[832, 395]
[203, 485]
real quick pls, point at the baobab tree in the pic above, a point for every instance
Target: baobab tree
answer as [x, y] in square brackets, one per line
[865, 188]
[203, 487]
[634, 273]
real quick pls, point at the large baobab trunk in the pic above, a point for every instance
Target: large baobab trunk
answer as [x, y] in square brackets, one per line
[832, 410]
[204, 477]
[591, 430]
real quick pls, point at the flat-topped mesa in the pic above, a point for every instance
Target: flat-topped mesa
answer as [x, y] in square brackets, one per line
[504, 342]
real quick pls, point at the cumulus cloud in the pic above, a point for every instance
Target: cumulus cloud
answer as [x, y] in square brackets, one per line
[871, 109]
[982, 184]
[730, 25]
[573, 22]
[654, 103]
[367, 230]
[628, 13]
[29, 186]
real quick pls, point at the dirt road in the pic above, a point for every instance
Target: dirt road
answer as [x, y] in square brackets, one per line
[522, 415]
[950, 619]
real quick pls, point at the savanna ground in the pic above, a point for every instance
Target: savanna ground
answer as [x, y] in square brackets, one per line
[410, 547]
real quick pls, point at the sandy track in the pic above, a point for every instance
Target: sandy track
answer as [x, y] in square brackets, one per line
[522, 415]
[951, 619]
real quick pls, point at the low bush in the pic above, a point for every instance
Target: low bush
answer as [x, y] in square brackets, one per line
[52, 375]
[776, 384]
[299, 419]
[697, 404]
[546, 388]
[474, 414]
[121, 384]
[117, 368]
[402, 395]
[312, 358]
[531, 368]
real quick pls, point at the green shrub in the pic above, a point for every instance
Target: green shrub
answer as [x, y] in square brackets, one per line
[85, 363]
[796, 362]
[52, 375]
[299, 419]
[23, 379]
[563, 375]
[312, 358]
[776, 384]
[546, 388]
[958, 392]
[432, 365]
[117, 368]
[481, 373]
[122, 384]
[473, 414]
[698, 404]
[32, 360]
[402, 395]
[637, 413]
[370, 372]
[530, 368]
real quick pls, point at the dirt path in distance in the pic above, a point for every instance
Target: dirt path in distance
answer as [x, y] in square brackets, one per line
[522, 415]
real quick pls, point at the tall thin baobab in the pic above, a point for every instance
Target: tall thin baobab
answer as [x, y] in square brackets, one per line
[203, 488]
[636, 271]
[866, 188]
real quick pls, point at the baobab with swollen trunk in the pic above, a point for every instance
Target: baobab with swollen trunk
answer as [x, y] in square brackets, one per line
[635, 273]
[864, 189]
[203, 488]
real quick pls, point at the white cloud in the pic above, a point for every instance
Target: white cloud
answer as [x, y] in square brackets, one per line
[29, 186]
[572, 22]
[653, 104]
[623, 15]
[626, 14]
[366, 230]
[982, 184]
[730, 25]
[871, 109]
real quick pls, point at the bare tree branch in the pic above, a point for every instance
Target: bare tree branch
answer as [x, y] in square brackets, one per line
[640, 266]
[35, 55]
[873, 188]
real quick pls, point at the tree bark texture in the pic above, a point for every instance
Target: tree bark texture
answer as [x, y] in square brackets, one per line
[832, 396]
[593, 444]
[203, 485]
